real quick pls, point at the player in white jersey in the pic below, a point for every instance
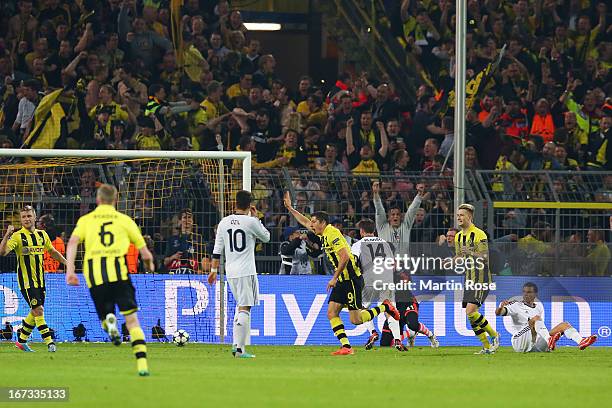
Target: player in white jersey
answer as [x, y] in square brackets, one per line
[527, 326]
[236, 236]
[371, 252]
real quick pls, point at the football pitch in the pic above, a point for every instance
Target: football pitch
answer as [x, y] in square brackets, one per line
[101, 375]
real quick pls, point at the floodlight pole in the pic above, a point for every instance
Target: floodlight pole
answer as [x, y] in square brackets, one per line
[459, 163]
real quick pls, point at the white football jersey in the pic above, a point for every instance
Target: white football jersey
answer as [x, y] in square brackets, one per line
[520, 313]
[236, 235]
[371, 252]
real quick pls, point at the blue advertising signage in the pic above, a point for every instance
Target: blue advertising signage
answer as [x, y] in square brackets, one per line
[292, 309]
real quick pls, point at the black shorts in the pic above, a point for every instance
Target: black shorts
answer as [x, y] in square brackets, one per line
[120, 293]
[348, 293]
[476, 297]
[408, 307]
[34, 296]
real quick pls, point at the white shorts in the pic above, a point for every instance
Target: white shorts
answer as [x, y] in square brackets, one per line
[245, 290]
[522, 341]
[371, 296]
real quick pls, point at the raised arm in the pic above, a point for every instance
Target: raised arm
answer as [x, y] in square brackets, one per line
[414, 206]
[384, 140]
[350, 146]
[301, 218]
[381, 214]
[404, 10]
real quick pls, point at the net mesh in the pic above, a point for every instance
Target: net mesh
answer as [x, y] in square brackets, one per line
[154, 192]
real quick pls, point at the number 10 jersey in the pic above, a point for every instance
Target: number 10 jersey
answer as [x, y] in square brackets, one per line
[236, 238]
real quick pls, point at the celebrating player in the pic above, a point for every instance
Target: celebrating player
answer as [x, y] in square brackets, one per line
[366, 251]
[471, 246]
[347, 282]
[30, 245]
[235, 238]
[528, 330]
[396, 230]
[107, 235]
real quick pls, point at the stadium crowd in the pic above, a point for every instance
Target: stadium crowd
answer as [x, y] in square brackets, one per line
[105, 75]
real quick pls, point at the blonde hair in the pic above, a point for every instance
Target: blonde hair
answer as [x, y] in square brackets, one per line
[106, 194]
[467, 207]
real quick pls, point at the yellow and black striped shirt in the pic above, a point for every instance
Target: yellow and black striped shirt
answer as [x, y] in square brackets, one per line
[30, 247]
[475, 240]
[333, 242]
[107, 235]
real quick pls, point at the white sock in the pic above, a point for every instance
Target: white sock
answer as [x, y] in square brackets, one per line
[242, 327]
[542, 330]
[411, 333]
[370, 326]
[573, 334]
[395, 329]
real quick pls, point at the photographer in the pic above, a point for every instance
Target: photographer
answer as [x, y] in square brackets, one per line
[295, 252]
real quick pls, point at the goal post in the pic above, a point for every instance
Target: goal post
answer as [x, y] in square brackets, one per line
[155, 188]
[245, 157]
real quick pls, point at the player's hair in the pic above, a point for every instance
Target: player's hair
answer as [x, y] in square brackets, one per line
[47, 220]
[321, 216]
[185, 211]
[396, 206]
[367, 225]
[106, 194]
[467, 207]
[531, 285]
[598, 234]
[27, 208]
[243, 199]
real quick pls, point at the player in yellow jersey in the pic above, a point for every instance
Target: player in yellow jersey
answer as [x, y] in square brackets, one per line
[107, 235]
[30, 245]
[347, 282]
[471, 244]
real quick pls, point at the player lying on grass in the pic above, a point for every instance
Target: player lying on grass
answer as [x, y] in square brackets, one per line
[347, 282]
[107, 235]
[528, 330]
[30, 245]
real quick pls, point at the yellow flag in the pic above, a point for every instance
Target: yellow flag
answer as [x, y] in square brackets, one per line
[47, 122]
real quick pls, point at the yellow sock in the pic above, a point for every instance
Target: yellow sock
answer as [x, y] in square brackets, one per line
[27, 325]
[369, 314]
[139, 348]
[45, 333]
[483, 323]
[338, 328]
[478, 331]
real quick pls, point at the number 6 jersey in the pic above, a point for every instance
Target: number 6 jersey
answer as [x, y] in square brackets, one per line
[107, 235]
[236, 236]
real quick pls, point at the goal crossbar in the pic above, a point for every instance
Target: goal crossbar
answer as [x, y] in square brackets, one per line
[245, 157]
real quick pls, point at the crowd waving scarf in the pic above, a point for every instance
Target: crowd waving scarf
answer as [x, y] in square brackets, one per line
[478, 84]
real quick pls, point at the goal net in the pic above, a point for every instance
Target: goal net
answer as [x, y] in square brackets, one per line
[176, 198]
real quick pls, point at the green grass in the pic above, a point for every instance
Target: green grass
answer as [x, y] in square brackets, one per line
[100, 375]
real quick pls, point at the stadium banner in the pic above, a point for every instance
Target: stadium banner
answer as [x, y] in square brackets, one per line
[292, 309]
